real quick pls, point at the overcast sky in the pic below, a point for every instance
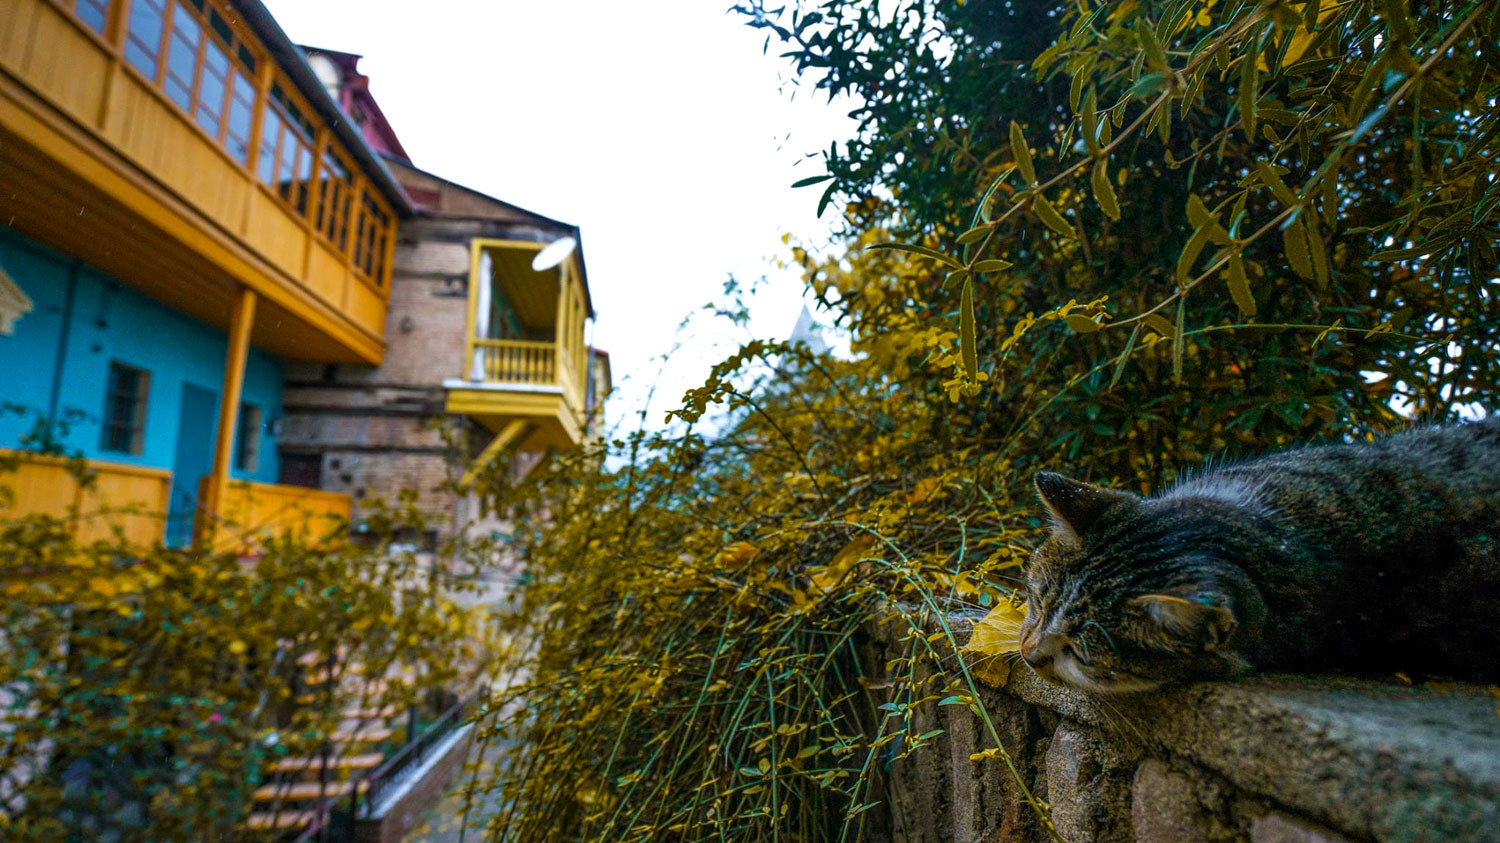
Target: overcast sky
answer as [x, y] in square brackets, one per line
[664, 134]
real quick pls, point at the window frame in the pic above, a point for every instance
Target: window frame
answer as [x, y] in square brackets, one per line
[244, 57]
[108, 7]
[139, 406]
[247, 437]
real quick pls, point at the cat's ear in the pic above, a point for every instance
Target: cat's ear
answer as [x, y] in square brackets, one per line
[1196, 620]
[1076, 506]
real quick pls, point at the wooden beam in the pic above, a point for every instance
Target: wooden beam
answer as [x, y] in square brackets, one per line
[506, 436]
[241, 320]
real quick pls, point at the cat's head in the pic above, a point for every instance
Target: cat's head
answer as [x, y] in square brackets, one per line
[1128, 594]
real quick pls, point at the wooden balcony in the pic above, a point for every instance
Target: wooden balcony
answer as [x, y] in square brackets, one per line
[124, 499]
[527, 390]
[98, 162]
[250, 513]
[515, 362]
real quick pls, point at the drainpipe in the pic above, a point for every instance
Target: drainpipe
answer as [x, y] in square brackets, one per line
[62, 341]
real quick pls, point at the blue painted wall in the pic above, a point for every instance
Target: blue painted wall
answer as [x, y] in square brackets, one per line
[107, 321]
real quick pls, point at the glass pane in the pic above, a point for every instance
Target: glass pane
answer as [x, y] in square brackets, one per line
[145, 35]
[94, 13]
[304, 176]
[270, 129]
[237, 136]
[179, 92]
[288, 161]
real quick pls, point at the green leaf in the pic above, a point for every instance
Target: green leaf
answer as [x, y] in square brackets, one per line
[1239, 285]
[1317, 252]
[966, 330]
[992, 265]
[1154, 55]
[1090, 119]
[1022, 154]
[1081, 324]
[1052, 219]
[1179, 338]
[982, 213]
[1294, 241]
[1270, 178]
[1201, 218]
[1159, 324]
[1125, 355]
[1104, 190]
[973, 235]
[919, 250]
[811, 180]
[1147, 87]
[1248, 84]
[826, 198]
[1189, 255]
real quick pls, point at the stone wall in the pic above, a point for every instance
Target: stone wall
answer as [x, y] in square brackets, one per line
[1278, 759]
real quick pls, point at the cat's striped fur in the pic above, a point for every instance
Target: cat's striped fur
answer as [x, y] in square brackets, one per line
[1368, 557]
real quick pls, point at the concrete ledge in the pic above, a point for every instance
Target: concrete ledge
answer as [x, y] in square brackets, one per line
[1266, 759]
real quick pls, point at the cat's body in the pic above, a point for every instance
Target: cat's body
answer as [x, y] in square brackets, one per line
[1370, 557]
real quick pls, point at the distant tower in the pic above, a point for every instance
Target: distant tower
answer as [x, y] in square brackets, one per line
[808, 332]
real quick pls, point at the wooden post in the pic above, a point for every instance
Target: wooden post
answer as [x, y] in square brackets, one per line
[560, 332]
[241, 319]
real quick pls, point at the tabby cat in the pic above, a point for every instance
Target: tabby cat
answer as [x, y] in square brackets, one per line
[1371, 557]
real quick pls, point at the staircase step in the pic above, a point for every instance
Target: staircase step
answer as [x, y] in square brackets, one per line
[381, 713]
[304, 791]
[279, 820]
[363, 734]
[363, 761]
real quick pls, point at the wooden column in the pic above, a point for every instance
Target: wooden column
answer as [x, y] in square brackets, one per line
[560, 332]
[241, 319]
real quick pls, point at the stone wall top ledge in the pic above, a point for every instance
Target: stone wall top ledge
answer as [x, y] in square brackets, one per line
[1379, 759]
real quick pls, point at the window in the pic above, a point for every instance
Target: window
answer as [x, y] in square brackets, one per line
[335, 194]
[94, 13]
[286, 152]
[143, 39]
[370, 242]
[247, 439]
[206, 71]
[125, 409]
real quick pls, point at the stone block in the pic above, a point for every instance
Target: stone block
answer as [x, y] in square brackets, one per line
[1280, 828]
[1163, 808]
[1087, 787]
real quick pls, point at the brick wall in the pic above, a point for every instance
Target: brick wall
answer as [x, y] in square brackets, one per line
[371, 429]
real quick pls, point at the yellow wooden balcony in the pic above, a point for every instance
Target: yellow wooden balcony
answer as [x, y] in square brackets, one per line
[523, 369]
[250, 513]
[127, 499]
[191, 193]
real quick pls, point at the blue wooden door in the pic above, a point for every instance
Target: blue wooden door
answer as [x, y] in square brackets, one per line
[194, 459]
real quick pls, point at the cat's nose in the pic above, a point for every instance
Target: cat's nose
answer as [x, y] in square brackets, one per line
[1032, 652]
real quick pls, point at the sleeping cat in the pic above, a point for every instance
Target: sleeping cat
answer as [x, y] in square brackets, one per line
[1373, 557]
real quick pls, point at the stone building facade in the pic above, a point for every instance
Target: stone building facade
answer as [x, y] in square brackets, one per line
[374, 431]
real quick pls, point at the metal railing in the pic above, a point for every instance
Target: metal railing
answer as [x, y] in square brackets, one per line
[513, 361]
[418, 748]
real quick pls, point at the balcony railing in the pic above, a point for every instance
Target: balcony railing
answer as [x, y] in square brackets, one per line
[514, 361]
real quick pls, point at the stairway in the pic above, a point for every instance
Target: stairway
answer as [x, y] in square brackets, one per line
[295, 787]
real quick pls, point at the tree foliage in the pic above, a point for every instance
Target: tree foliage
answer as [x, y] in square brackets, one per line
[145, 693]
[1114, 238]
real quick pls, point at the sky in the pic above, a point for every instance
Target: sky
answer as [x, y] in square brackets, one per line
[659, 128]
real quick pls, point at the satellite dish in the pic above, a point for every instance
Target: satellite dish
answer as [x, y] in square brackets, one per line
[553, 254]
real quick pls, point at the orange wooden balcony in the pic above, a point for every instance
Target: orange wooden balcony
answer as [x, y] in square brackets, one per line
[250, 513]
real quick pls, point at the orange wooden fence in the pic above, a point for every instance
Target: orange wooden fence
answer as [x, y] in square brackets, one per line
[252, 512]
[130, 498]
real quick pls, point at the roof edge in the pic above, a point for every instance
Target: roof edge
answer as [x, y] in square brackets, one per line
[292, 60]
